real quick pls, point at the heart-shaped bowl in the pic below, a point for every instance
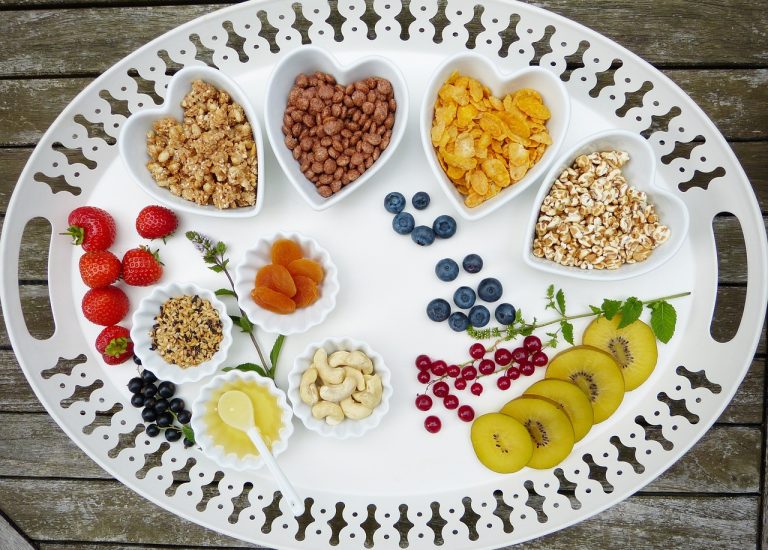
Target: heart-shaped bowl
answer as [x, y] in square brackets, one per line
[132, 142]
[205, 418]
[259, 255]
[640, 172]
[307, 60]
[347, 428]
[144, 319]
[481, 68]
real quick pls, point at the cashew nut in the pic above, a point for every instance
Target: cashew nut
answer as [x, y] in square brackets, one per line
[330, 411]
[357, 376]
[307, 389]
[360, 361]
[337, 392]
[371, 397]
[328, 374]
[354, 410]
[338, 358]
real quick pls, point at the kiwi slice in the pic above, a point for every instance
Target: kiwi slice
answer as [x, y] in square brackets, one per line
[571, 399]
[501, 443]
[633, 347]
[548, 427]
[595, 372]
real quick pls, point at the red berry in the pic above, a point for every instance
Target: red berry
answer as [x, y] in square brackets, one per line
[532, 344]
[440, 389]
[527, 368]
[476, 350]
[156, 222]
[466, 413]
[503, 357]
[486, 366]
[423, 402]
[99, 268]
[115, 345]
[460, 384]
[513, 373]
[476, 388]
[539, 359]
[432, 424]
[141, 267]
[423, 362]
[91, 227]
[519, 354]
[424, 376]
[105, 306]
[453, 371]
[503, 383]
[439, 367]
[469, 372]
[450, 401]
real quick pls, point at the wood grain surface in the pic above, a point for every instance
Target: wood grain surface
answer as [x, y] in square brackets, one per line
[53, 497]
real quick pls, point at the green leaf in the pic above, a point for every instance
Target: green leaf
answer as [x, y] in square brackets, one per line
[630, 311]
[277, 347]
[192, 235]
[216, 268]
[663, 320]
[245, 324]
[225, 292]
[550, 292]
[248, 367]
[561, 300]
[567, 329]
[611, 308]
[221, 248]
[596, 310]
[188, 432]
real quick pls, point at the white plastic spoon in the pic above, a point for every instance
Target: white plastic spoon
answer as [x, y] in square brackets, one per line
[236, 410]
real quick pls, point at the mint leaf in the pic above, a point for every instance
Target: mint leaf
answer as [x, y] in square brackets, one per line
[550, 292]
[630, 311]
[188, 432]
[225, 292]
[596, 310]
[567, 329]
[248, 367]
[611, 308]
[277, 347]
[216, 268]
[561, 300]
[245, 324]
[663, 320]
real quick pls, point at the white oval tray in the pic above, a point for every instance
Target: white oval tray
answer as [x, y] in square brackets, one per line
[407, 488]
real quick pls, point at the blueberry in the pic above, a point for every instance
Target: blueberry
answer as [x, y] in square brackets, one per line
[148, 376]
[148, 415]
[172, 435]
[505, 314]
[458, 321]
[479, 316]
[423, 235]
[152, 430]
[403, 223]
[164, 419]
[489, 289]
[420, 200]
[176, 404]
[444, 226]
[472, 263]
[184, 416]
[166, 389]
[394, 203]
[135, 385]
[438, 310]
[137, 400]
[447, 270]
[464, 297]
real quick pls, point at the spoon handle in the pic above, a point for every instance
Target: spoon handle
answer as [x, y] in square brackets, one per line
[296, 504]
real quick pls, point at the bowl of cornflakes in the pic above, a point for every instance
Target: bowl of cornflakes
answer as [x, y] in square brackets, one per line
[489, 135]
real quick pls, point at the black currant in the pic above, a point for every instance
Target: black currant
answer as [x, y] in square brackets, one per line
[135, 385]
[149, 390]
[172, 434]
[136, 359]
[164, 419]
[188, 442]
[137, 400]
[177, 404]
[148, 415]
[152, 430]
[184, 416]
[166, 389]
[148, 376]
[161, 405]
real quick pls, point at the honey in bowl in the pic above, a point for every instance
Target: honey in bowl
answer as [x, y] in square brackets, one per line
[266, 415]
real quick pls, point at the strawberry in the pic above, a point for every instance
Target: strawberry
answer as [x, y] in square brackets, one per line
[99, 268]
[141, 267]
[105, 306]
[156, 222]
[91, 227]
[114, 344]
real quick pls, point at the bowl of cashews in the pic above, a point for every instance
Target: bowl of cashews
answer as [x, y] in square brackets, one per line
[340, 388]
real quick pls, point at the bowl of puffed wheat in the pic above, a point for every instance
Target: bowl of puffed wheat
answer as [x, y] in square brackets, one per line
[201, 151]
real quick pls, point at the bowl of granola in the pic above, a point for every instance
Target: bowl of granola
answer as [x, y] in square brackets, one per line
[202, 150]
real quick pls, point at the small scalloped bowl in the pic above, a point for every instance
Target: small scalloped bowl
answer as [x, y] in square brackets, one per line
[144, 318]
[640, 172]
[347, 428]
[202, 434]
[477, 66]
[132, 142]
[309, 59]
[302, 319]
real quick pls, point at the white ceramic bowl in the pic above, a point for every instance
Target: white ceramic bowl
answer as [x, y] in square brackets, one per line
[302, 319]
[308, 59]
[640, 172]
[202, 434]
[481, 68]
[132, 142]
[347, 428]
[144, 318]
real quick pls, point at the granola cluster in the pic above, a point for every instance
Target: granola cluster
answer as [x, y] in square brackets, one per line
[187, 331]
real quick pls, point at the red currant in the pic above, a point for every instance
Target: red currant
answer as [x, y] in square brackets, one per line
[466, 413]
[527, 368]
[460, 384]
[532, 344]
[476, 350]
[519, 354]
[476, 388]
[453, 370]
[539, 359]
[440, 389]
[451, 401]
[513, 373]
[503, 383]
[423, 362]
[469, 372]
[503, 357]
[439, 367]
[423, 402]
[423, 376]
[486, 366]
[432, 424]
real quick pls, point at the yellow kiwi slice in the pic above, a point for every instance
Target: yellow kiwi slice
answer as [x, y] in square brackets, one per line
[501, 443]
[571, 399]
[633, 347]
[548, 426]
[595, 372]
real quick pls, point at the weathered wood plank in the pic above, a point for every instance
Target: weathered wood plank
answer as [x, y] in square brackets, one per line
[33, 256]
[748, 404]
[10, 539]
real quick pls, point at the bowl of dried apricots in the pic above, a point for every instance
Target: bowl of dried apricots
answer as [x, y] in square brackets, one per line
[286, 283]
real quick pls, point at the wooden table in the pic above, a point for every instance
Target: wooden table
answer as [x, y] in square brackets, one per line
[52, 496]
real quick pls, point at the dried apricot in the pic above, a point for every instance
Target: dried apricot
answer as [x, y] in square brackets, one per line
[307, 292]
[273, 301]
[284, 251]
[277, 278]
[307, 268]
